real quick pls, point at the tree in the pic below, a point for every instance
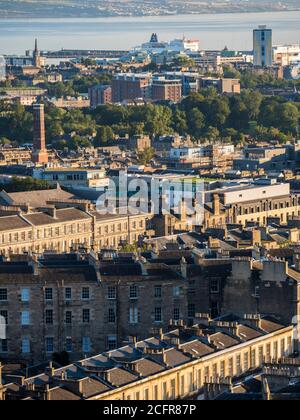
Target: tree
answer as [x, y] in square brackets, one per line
[104, 134]
[180, 124]
[145, 156]
[231, 133]
[26, 184]
[288, 117]
[194, 100]
[196, 122]
[158, 119]
[184, 61]
[4, 141]
[252, 100]
[77, 142]
[231, 73]
[212, 134]
[217, 111]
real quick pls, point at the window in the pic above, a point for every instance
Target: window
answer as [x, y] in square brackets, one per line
[230, 367]
[176, 314]
[86, 344]
[68, 293]
[111, 316]
[253, 359]
[214, 286]
[69, 345]
[68, 318]
[275, 350]
[3, 294]
[3, 346]
[182, 386]
[164, 391]
[133, 292]
[49, 317]
[48, 293]
[191, 382]
[191, 310]
[289, 345]
[86, 316]
[49, 344]
[261, 355]
[111, 293]
[215, 310]
[246, 362]
[158, 291]
[133, 315]
[176, 291]
[215, 370]
[85, 293]
[25, 295]
[157, 315]
[4, 314]
[25, 346]
[111, 342]
[238, 364]
[222, 369]
[282, 347]
[173, 389]
[155, 392]
[25, 318]
[268, 356]
[146, 394]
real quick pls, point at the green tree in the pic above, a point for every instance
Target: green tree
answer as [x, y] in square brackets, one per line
[104, 134]
[26, 184]
[145, 156]
[288, 117]
[196, 122]
[212, 134]
[180, 124]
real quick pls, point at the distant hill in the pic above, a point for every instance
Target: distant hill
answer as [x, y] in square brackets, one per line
[92, 8]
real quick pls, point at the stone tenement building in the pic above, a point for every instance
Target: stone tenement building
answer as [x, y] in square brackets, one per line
[242, 285]
[84, 306]
[256, 204]
[64, 226]
[168, 366]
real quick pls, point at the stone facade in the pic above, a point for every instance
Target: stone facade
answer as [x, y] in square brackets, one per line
[84, 307]
[256, 211]
[70, 226]
[168, 366]
[243, 286]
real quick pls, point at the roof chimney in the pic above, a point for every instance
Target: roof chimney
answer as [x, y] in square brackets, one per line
[183, 266]
[50, 371]
[216, 205]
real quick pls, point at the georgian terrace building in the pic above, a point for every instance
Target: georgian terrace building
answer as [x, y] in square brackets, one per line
[84, 305]
[65, 226]
[167, 366]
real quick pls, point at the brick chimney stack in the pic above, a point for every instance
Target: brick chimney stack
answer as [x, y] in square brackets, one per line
[40, 154]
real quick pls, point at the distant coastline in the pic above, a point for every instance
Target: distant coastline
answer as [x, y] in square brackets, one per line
[62, 15]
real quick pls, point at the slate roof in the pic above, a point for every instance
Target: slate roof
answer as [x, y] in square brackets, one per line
[62, 215]
[37, 198]
[12, 223]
